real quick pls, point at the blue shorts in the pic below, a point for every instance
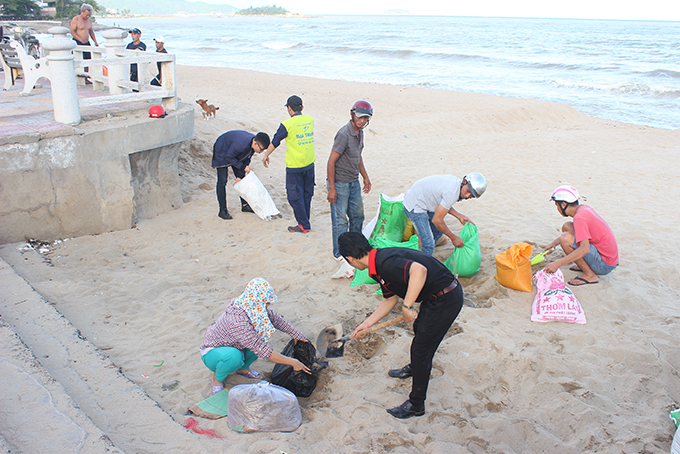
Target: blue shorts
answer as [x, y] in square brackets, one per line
[595, 262]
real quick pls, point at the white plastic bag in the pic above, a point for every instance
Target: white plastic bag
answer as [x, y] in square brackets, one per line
[253, 191]
[263, 407]
[346, 271]
[554, 302]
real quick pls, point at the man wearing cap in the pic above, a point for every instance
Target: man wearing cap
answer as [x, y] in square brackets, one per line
[298, 131]
[136, 44]
[345, 163]
[235, 149]
[431, 198]
[415, 277]
[81, 29]
[160, 47]
[588, 241]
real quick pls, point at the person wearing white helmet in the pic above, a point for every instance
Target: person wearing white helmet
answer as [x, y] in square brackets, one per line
[160, 48]
[345, 164]
[587, 241]
[431, 198]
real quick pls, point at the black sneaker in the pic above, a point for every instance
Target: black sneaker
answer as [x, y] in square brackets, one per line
[298, 228]
[224, 214]
[246, 208]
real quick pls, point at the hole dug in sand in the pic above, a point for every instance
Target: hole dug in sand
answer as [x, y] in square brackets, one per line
[367, 347]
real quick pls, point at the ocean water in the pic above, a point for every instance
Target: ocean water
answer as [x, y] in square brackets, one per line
[627, 71]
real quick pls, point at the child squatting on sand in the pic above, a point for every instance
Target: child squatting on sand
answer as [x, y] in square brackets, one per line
[241, 333]
[588, 241]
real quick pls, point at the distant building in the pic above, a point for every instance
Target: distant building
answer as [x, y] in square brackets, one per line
[47, 9]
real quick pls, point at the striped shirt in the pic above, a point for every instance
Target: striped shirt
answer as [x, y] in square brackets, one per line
[234, 329]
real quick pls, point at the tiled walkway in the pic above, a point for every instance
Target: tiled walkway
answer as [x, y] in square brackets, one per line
[32, 117]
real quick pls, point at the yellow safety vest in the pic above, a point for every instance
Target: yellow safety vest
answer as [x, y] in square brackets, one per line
[299, 141]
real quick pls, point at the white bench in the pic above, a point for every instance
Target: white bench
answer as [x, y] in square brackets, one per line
[16, 60]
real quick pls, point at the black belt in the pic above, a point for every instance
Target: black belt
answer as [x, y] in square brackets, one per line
[444, 291]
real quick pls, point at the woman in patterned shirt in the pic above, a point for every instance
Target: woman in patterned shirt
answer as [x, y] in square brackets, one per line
[241, 333]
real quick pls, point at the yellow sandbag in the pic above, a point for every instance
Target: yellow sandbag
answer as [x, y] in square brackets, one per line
[409, 230]
[513, 267]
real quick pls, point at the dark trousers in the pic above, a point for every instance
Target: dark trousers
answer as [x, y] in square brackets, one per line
[300, 189]
[86, 55]
[222, 173]
[434, 320]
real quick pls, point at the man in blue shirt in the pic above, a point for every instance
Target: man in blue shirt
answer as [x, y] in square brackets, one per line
[234, 149]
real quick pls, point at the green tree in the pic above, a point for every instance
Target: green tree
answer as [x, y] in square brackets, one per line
[19, 8]
[67, 9]
[262, 11]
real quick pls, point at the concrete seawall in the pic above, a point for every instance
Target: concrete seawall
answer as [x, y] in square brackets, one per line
[102, 177]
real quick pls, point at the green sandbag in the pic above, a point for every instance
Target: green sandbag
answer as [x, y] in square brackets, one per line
[362, 277]
[469, 257]
[391, 221]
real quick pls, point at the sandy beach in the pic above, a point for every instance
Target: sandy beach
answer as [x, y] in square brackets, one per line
[500, 383]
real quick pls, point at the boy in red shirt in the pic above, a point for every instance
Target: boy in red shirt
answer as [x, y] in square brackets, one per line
[588, 241]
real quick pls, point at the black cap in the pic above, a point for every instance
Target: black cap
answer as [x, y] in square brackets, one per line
[294, 102]
[136, 30]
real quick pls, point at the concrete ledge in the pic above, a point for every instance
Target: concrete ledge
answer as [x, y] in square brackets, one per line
[84, 181]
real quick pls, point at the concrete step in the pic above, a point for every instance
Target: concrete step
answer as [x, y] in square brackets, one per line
[88, 387]
[36, 412]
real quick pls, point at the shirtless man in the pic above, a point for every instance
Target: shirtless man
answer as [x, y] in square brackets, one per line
[81, 29]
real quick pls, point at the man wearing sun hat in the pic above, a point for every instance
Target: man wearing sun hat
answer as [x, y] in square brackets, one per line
[136, 44]
[588, 241]
[160, 47]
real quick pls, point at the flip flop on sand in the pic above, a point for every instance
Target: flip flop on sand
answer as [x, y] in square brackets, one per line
[575, 268]
[251, 374]
[578, 281]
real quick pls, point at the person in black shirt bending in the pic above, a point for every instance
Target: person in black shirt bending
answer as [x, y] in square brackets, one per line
[415, 277]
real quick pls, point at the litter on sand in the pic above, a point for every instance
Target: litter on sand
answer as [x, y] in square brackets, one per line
[214, 407]
[193, 426]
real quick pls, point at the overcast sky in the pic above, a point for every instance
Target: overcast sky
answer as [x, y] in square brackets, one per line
[588, 9]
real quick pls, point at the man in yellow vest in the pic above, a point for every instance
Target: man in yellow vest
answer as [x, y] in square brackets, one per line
[298, 131]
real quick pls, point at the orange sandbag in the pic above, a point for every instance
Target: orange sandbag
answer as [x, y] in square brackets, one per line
[513, 267]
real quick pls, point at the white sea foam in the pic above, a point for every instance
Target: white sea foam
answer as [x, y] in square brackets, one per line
[621, 70]
[278, 45]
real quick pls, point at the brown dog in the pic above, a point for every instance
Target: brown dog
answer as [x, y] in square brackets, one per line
[208, 109]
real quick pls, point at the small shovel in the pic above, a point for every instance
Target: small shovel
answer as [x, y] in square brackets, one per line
[540, 257]
[331, 343]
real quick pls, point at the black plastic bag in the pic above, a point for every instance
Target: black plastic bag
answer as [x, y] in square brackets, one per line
[299, 382]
